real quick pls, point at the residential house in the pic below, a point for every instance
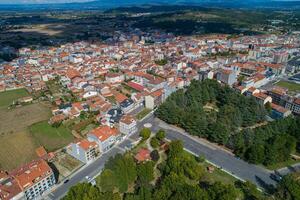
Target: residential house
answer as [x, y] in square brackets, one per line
[228, 77]
[154, 99]
[34, 178]
[143, 155]
[128, 125]
[127, 105]
[84, 150]
[104, 136]
[9, 187]
[279, 112]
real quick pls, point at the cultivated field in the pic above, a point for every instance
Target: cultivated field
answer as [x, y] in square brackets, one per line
[18, 119]
[49, 137]
[16, 149]
[8, 97]
[17, 144]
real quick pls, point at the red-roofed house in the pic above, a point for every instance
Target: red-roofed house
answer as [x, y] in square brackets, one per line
[84, 150]
[143, 155]
[127, 125]
[135, 86]
[9, 187]
[279, 112]
[154, 99]
[104, 136]
[34, 178]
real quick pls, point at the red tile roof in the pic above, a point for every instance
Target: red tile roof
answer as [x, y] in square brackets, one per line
[135, 86]
[104, 132]
[27, 175]
[86, 145]
[9, 187]
[143, 155]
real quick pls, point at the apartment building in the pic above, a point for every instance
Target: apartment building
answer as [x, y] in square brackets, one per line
[127, 125]
[34, 178]
[84, 150]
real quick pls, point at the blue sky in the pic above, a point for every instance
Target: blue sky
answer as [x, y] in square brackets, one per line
[38, 1]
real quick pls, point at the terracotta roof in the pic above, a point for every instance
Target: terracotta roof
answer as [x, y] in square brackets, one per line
[135, 86]
[143, 155]
[297, 101]
[157, 93]
[72, 73]
[41, 152]
[279, 108]
[27, 175]
[127, 119]
[104, 132]
[9, 187]
[86, 145]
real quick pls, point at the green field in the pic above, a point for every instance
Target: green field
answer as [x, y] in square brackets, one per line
[8, 97]
[289, 85]
[49, 137]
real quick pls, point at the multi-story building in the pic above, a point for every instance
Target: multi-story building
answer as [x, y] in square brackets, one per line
[34, 178]
[227, 76]
[84, 150]
[9, 187]
[280, 97]
[127, 125]
[104, 136]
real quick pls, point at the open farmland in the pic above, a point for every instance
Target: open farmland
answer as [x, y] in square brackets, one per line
[17, 145]
[18, 119]
[49, 137]
[8, 97]
[16, 149]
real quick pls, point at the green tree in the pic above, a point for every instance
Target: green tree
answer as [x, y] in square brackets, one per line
[161, 134]
[145, 173]
[154, 142]
[145, 133]
[255, 154]
[289, 188]
[106, 181]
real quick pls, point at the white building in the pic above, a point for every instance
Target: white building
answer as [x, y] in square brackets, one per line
[128, 125]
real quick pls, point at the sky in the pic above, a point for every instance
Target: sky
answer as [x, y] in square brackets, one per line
[38, 1]
[69, 1]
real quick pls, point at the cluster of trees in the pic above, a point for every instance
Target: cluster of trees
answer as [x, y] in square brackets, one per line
[181, 177]
[230, 112]
[156, 141]
[289, 187]
[185, 108]
[268, 144]
[120, 172]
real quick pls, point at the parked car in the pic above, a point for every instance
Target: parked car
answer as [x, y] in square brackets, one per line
[276, 177]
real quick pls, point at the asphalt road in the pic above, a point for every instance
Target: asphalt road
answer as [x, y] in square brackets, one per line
[90, 170]
[226, 161]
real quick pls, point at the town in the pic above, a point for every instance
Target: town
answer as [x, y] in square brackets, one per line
[94, 98]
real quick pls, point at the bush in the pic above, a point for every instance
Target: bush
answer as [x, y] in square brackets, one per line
[154, 142]
[145, 133]
[161, 134]
[154, 155]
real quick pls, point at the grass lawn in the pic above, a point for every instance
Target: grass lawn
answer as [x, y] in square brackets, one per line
[49, 137]
[282, 164]
[16, 149]
[143, 113]
[289, 85]
[8, 97]
[218, 175]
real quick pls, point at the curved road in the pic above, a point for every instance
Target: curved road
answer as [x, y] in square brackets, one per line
[217, 156]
